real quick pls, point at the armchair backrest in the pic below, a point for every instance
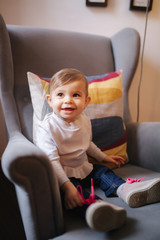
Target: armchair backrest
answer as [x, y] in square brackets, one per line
[45, 51]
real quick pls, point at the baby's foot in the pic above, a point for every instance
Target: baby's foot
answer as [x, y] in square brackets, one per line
[140, 193]
[103, 216]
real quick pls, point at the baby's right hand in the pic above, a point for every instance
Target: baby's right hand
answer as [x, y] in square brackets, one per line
[72, 196]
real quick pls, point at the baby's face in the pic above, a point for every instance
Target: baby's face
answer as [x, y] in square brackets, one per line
[69, 100]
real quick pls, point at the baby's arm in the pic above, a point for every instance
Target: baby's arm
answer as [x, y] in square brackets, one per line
[117, 160]
[96, 153]
[46, 143]
[72, 196]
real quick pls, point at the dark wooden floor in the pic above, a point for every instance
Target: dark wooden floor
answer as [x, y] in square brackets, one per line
[11, 227]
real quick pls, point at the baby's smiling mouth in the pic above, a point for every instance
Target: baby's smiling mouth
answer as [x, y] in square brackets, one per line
[68, 109]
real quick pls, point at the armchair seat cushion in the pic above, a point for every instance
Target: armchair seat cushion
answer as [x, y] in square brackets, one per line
[141, 223]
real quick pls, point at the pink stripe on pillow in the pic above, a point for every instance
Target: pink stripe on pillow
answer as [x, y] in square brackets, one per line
[116, 144]
[107, 77]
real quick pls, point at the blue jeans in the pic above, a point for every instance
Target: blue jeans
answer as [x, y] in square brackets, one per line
[104, 178]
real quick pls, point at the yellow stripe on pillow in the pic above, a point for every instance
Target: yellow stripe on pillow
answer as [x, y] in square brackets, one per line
[45, 85]
[109, 83]
[119, 151]
[103, 95]
[107, 90]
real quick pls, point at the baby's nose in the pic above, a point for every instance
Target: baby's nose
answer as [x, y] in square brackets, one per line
[68, 99]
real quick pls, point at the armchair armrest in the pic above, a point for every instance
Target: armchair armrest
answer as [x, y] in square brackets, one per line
[36, 187]
[143, 144]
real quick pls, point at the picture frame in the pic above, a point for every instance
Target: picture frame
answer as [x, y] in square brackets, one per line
[140, 5]
[96, 3]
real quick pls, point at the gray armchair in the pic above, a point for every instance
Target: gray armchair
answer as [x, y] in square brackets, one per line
[45, 51]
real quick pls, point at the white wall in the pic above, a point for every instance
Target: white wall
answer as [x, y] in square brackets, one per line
[76, 16]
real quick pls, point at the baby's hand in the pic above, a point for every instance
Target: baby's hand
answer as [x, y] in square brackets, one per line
[117, 160]
[72, 196]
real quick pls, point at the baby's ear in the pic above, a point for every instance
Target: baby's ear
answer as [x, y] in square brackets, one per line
[48, 98]
[88, 99]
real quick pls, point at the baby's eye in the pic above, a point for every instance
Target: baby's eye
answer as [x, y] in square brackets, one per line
[76, 95]
[59, 94]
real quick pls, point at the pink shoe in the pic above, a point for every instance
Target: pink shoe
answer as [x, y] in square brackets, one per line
[140, 193]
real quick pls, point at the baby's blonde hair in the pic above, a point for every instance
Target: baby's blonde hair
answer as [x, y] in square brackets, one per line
[65, 76]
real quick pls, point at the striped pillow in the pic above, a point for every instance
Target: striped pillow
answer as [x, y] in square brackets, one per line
[106, 113]
[105, 110]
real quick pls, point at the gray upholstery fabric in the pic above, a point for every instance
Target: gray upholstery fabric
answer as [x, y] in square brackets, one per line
[45, 51]
[142, 222]
[143, 144]
[123, 45]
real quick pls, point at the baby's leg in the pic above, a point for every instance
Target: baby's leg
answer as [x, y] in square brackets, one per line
[135, 195]
[103, 216]
[100, 215]
[106, 179]
[81, 211]
[138, 194]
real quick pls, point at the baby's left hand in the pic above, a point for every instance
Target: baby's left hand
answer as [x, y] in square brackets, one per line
[117, 160]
